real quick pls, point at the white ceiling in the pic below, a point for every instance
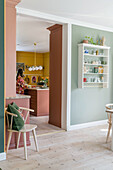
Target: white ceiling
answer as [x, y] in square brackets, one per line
[99, 12]
[30, 30]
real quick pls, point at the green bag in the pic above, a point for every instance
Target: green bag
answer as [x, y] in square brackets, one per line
[14, 104]
[18, 122]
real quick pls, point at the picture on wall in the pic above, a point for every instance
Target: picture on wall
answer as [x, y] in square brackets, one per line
[33, 79]
[20, 65]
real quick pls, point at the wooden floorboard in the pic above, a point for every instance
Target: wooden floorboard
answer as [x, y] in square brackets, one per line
[43, 127]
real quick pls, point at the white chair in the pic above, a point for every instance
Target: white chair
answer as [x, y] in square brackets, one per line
[109, 110]
[26, 128]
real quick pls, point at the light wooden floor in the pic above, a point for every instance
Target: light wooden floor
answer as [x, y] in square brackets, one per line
[83, 149]
[43, 126]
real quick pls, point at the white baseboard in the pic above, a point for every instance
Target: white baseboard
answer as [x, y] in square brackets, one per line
[2, 156]
[86, 125]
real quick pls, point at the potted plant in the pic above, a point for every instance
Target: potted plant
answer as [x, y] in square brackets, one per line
[88, 40]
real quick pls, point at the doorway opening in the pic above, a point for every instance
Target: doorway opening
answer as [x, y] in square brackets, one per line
[39, 44]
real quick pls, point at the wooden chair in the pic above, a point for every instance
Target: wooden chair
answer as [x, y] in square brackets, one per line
[109, 110]
[26, 128]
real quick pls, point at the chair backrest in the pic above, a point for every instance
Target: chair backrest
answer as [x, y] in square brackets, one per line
[10, 122]
[109, 110]
[109, 106]
[25, 109]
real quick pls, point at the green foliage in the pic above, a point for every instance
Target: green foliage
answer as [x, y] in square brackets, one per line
[90, 39]
[87, 37]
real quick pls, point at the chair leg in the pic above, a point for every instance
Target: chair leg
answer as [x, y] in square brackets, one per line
[18, 140]
[25, 147]
[9, 140]
[35, 140]
[109, 128]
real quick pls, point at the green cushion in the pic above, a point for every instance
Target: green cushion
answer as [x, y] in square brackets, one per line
[18, 122]
[14, 104]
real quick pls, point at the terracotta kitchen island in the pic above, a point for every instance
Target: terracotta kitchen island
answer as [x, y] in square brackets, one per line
[39, 101]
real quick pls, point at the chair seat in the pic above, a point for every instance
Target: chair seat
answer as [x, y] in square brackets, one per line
[26, 128]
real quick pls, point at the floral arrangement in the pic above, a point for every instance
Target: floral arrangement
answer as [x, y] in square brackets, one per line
[45, 80]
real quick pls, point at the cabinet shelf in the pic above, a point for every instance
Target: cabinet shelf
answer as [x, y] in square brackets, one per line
[93, 46]
[85, 54]
[95, 82]
[93, 86]
[95, 73]
[104, 65]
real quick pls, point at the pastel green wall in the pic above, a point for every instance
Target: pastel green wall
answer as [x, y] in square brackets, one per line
[1, 76]
[89, 104]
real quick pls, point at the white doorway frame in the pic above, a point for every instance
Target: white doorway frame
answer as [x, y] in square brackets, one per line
[66, 60]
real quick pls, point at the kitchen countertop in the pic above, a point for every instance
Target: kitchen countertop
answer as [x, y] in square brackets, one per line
[19, 96]
[38, 88]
